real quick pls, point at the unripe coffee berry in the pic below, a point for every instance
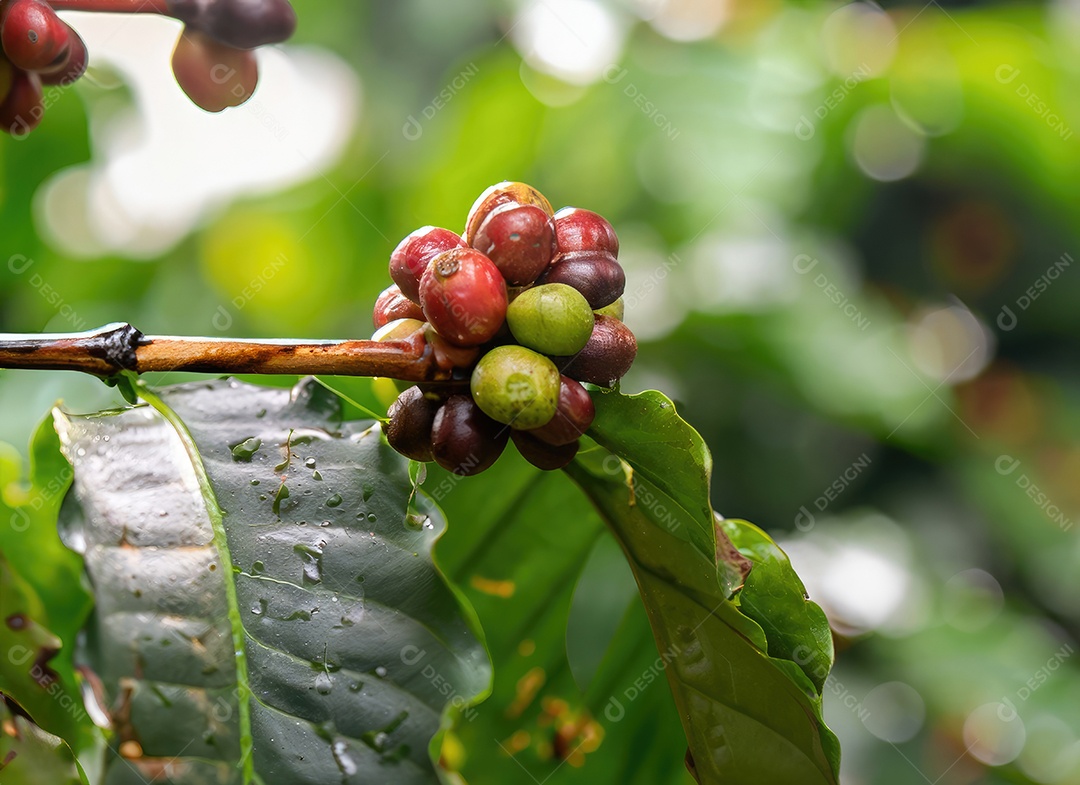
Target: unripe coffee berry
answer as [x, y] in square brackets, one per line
[606, 357]
[398, 330]
[552, 319]
[464, 440]
[519, 239]
[616, 310]
[463, 296]
[542, 455]
[506, 192]
[411, 257]
[516, 386]
[572, 418]
[411, 419]
[595, 274]
[584, 230]
[392, 304]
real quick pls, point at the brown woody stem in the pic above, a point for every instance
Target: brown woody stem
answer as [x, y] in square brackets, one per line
[114, 348]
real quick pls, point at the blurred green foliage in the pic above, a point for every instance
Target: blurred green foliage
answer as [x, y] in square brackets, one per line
[849, 240]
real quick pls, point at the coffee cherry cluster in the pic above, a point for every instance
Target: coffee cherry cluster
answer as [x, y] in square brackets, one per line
[525, 305]
[212, 62]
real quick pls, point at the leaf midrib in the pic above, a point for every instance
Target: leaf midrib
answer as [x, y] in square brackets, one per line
[221, 544]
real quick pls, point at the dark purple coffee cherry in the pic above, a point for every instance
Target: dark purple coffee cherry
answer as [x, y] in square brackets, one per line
[573, 416]
[595, 274]
[519, 239]
[463, 296]
[542, 455]
[22, 108]
[411, 257]
[606, 357]
[392, 304]
[464, 440]
[506, 192]
[584, 230]
[412, 417]
[244, 24]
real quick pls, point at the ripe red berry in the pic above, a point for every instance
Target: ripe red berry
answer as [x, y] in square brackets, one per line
[572, 418]
[595, 274]
[214, 75]
[392, 304]
[542, 455]
[33, 36]
[72, 66]
[606, 357]
[464, 440]
[412, 417]
[584, 230]
[497, 195]
[21, 110]
[463, 296]
[448, 356]
[409, 260]
[519, 239]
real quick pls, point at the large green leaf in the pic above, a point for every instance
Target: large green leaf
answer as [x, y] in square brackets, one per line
[748, 716]
[267, 607]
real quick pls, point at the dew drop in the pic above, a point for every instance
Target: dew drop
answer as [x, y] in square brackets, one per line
[369, 489]
[316, 476]
[259, 608]
[324, 524]
[311, 559]
[344, 759]
[380, 672]
[371, 517]
[255, 482]
[244, 450]
[334, 501]
[257, 568]
[324, 685]
[310, 463]
[356, 686]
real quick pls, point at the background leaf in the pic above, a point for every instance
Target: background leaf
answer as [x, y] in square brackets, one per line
[32, 756]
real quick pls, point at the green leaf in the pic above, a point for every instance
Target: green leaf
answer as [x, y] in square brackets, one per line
[255, 636]
[519, 547]
[31, 756]
[41, 584]
[748, 716]
[28, 666]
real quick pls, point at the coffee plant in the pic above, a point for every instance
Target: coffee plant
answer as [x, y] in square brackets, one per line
[236, 583]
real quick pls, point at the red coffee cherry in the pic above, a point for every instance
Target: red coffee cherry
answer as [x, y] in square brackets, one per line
[22, 109]
[519, 239]
[409, 260]
[506, 192]
[466, 441]
[70, 67]
[214, 75]
[542, 455]
[572, 418]
[584, 230]
[606, 357]
[412, 417]
[463, 296]
[449, 356]
[33, 36]
[595, 274]
[392, 304]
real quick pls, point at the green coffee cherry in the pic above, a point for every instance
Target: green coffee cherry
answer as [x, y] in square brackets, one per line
[516, 386]
[616, 310]
[552, 319]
